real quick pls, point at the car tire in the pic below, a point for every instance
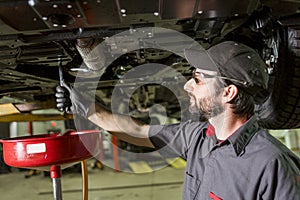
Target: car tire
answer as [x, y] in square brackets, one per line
[281, 110]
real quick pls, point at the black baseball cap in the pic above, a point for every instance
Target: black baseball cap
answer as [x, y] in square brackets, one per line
[237, 62]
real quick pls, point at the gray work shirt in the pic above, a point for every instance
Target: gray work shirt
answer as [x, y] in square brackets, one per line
[249, 165]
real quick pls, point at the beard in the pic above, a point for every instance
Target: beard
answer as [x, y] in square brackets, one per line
[207, 107]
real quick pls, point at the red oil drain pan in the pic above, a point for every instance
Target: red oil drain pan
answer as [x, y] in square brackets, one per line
[43, 151]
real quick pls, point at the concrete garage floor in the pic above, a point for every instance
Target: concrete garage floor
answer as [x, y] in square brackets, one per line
[165, 183]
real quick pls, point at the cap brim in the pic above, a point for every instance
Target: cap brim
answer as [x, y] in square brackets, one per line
[200, 59]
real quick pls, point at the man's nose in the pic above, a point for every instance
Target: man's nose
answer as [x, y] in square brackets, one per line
[188, 86]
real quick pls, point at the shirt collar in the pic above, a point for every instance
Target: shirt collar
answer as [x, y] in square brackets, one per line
[240, 138]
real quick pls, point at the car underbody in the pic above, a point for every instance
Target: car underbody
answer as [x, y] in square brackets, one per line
[38, 36]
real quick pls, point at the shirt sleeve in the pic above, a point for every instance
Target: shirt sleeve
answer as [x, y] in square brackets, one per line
[282, 178]
[174, 140]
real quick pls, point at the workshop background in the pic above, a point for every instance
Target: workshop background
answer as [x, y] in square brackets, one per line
[117, 175]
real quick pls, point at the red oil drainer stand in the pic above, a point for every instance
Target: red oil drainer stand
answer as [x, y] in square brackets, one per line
[55, 174]
[52, 152]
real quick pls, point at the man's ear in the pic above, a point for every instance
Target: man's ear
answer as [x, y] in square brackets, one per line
[230, 92]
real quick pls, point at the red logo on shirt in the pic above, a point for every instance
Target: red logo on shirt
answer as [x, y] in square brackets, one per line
[213, 196]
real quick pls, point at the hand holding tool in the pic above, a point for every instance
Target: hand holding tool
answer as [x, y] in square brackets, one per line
[69, 99]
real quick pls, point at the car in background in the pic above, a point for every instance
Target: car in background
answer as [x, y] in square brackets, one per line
[36, 36]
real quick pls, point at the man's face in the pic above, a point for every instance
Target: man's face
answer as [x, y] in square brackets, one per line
[205, 95]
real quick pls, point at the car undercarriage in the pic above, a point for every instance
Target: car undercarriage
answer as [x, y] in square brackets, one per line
[38, 36]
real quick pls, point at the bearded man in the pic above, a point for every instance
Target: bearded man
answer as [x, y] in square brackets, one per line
[228, 156]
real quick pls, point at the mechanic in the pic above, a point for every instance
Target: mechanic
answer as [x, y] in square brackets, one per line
[228, 156]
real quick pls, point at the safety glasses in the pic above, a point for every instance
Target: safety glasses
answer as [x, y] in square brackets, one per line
[200, 77]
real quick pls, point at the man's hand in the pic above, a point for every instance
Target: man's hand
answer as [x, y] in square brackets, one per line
[63, 100]
[71, 100]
